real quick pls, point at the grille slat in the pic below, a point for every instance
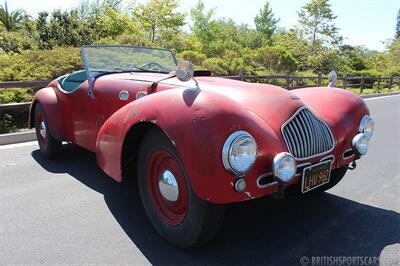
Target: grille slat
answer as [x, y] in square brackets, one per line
[307, 136]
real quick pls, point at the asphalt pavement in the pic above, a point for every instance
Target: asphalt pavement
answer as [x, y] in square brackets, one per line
[69, 212]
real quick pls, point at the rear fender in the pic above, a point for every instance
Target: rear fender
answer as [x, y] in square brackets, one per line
[48, 99]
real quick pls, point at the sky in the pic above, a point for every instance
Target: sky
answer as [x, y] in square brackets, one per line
[362, 22]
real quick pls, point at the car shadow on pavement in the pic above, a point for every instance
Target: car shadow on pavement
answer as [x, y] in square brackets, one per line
[262, 231]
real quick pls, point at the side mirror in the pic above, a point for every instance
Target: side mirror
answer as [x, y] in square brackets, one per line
[332, 78]
[184, 71]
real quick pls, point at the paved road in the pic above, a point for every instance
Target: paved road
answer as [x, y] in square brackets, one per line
[69, 212]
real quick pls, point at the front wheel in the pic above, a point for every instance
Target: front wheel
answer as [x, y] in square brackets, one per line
[177, 214]
[49, 146]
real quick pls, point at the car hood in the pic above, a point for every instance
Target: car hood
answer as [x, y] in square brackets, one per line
[273, 104]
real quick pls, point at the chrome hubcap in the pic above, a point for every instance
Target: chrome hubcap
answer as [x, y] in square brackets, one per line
[168, 186]
[43, 129]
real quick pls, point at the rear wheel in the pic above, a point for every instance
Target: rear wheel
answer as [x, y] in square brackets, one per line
[49, 146]
[177, 214]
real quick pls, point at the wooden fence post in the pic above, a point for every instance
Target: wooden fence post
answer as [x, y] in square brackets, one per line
[344, 81]
[391, 81]
[320, 79]
[287, 76]
[241, 75]
[362, 85]
[379, 82]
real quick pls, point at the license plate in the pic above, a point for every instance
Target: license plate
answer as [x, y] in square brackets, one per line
[315, 176]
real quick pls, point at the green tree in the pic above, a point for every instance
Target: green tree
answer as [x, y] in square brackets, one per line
[398, 24]
[266, 22]
[317, 22]
[11, 21]
[63, 28]
[202, 22]
[159, 18]
[276, 58]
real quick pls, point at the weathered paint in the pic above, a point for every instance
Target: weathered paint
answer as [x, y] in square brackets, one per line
[198, 123]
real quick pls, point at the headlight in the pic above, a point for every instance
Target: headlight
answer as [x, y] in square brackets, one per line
[239, 152]
[367, 126]
[284, 167]
[360, 144]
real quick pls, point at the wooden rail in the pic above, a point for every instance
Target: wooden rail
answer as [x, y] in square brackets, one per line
[287, 81]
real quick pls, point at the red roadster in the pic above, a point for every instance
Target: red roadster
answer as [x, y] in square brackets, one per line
[195, 142]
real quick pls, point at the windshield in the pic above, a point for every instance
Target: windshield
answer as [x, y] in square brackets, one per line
[108, 58]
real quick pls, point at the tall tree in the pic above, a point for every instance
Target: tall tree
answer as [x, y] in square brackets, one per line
[318, 22]
[11, 20]
[266, 22]
[158, 17]
[398, 25]
[202, 20]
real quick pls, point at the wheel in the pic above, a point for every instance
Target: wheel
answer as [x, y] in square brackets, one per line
[49, 146]
[336, 176]
[176, 213]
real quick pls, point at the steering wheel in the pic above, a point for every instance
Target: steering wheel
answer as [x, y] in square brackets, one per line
[152, 66]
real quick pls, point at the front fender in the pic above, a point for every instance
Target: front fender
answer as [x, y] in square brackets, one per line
[48, 99]
[197, 123]
[341, 109]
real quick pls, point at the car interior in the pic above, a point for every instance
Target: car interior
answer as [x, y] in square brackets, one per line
[71, 82]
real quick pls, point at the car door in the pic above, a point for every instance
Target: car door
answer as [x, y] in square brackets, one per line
[83, 116]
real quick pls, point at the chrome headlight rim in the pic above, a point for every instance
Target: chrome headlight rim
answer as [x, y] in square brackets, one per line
[357, 142]
[277, 165]
[227, 149]
[367, 126]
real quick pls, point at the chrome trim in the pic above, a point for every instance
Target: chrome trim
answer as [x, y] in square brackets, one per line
[43, 129]
[238, 183]
[226, 151]
[123, 95]
[356, 141]
[348, 157]
[363, 122]
[332, 157]
[312, 135]
[265, 176]
[276, 165]
[300, 166]
[168, 186]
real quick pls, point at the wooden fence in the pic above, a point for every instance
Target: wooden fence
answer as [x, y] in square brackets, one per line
[287, 81]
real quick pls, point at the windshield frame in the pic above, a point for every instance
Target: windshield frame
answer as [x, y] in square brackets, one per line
[93, 75]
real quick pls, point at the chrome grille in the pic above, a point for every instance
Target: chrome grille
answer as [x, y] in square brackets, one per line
[306, 136]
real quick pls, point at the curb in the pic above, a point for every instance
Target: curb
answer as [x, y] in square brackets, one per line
[19, 137]
[375, 95]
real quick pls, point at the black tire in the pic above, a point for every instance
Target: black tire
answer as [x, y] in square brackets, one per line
[49, 146]
[202, 219]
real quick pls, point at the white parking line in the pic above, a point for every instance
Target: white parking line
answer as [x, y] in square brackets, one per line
[18, 145]
[381, 97]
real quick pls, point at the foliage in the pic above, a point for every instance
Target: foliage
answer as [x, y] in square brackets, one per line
[276, 58]
[266, 23]
[397, 34]
[16, 95]
[39, 65]
[63, 28]
[11, 21]
[159, 19]
[317, 22]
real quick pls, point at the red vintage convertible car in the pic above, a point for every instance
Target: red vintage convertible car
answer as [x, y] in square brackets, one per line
[194, 142]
